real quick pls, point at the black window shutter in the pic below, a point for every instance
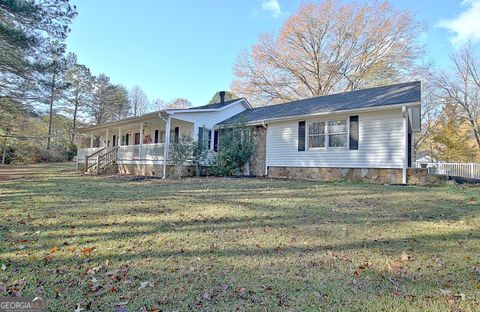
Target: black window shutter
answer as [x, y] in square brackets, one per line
[114, 140]
[156, 136]
[215, 140]
[301, 136]
[177, 133]
[354, 132]
[127, 136]
[200, 136]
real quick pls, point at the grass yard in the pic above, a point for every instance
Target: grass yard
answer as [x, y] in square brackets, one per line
[113, 244]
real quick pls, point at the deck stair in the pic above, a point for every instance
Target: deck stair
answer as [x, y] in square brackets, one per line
[99, 162]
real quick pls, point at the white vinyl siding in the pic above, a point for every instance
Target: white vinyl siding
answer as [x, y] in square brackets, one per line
[209, 119]
[380, 143]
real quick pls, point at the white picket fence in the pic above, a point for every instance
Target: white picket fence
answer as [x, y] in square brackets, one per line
[464, 170]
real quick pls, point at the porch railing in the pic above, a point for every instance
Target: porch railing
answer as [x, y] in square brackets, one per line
[91, 160]
[83, 152]
[141, 152]
[464, 170]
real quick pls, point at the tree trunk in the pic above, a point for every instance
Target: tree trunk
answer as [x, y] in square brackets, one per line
[4, 154]
[476, 132]
[75, 116]
[52, 96]
[197, 169]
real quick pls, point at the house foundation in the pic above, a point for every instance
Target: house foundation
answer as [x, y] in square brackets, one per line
[155, 170]
[370, 175]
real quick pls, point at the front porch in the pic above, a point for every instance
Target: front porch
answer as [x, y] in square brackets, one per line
[140, 142]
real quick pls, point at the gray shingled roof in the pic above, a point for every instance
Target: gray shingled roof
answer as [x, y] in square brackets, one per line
[215, 105]
[367, 98]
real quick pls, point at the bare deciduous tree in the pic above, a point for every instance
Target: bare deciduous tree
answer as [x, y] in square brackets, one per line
[179, 103]
[138, 101]
[329, 47]
[432, 108]
[462, 88]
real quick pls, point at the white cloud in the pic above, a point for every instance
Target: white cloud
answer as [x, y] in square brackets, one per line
[466, 26]
[272, 7]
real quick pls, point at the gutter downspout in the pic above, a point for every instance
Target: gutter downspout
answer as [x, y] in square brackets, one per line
[405, 144]
[167, 142]
[266, 129]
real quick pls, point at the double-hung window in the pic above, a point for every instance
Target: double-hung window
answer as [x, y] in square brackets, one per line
[207, 138]
[316, 134]
[328, 134]
[337, 133]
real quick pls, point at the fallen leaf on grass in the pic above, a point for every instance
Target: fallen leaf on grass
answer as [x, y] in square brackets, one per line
[460, 296]
[445, 292]
[87, 251]
[440, 262]
[71, 248]
[2, 287]
[4, 267]
[475, 269]
[361, 268]
[406, 257]
[78, 309]
[54, 249]
[61, 271]
[394, 266]
[144, 285]
[240, 290]
[93, 270]
[15, 290]
[206, 295]
[95, 288]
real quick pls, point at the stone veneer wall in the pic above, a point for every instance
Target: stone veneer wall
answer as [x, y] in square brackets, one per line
[155, 170]
[257, 162]
[371, 175]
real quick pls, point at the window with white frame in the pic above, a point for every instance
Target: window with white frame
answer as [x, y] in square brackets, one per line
[162, 136]
[337, 133]
[316, 134]
[328, 134]
[207, 138]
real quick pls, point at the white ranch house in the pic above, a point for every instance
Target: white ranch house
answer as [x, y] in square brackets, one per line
[364, 134]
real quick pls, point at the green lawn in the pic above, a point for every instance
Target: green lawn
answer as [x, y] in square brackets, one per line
[105, 243]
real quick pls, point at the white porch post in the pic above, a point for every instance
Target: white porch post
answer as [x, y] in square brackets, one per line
[405, 144]
[119, 136]
[79, 146]
[166, 146]
[91, 140]
[141, 133]
[107, 134]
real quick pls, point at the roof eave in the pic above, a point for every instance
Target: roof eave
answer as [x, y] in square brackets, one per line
[356, 110]
[210, 109]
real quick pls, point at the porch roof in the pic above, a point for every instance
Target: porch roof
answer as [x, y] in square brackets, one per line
[124, 121]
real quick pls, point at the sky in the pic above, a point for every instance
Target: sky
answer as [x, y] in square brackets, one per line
[187, 48]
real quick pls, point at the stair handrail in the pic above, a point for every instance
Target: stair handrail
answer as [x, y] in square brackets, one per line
[88, 157]
[108, 158]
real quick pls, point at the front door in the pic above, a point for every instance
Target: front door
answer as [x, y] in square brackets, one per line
[137, 138]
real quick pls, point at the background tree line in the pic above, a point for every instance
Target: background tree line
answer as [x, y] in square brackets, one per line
[45, 93]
